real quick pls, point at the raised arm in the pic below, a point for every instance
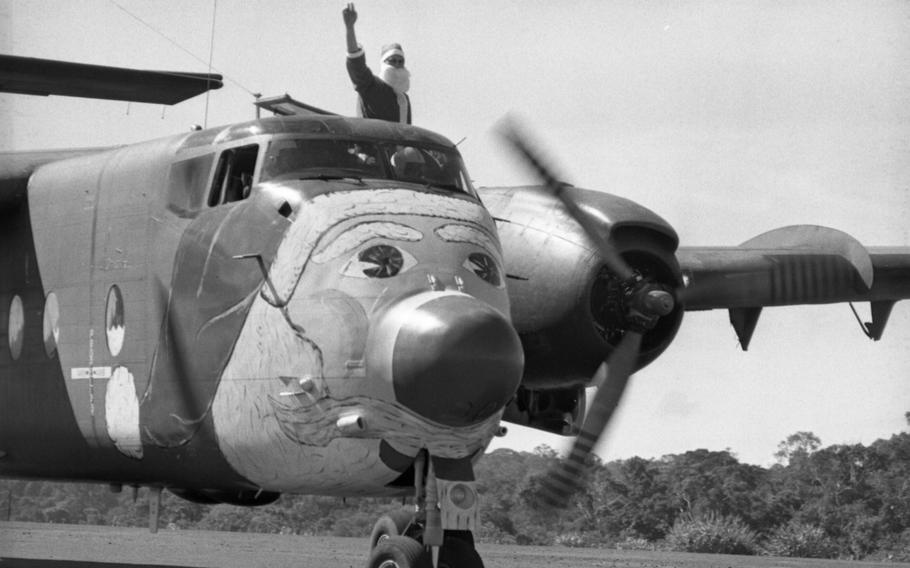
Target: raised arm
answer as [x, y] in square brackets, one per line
[358, 71]
[350, 17]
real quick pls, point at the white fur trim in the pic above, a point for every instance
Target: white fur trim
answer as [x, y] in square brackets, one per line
[391, 52]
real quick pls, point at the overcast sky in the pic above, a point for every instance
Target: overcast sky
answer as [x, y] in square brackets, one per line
[726, 118]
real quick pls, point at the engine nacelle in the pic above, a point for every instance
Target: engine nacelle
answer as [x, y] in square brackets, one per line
[559, 411]
[566, 305]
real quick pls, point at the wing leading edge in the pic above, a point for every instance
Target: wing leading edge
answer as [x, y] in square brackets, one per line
[31, 76]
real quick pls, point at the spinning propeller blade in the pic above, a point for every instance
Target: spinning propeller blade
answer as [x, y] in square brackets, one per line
[646, 302]
[564, 480]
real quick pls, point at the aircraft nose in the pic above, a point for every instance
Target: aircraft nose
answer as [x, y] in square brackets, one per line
[450, 357]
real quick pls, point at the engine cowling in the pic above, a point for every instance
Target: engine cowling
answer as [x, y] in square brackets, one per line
[570, 310]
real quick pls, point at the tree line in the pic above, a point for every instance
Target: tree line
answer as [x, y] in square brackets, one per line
[839, 501]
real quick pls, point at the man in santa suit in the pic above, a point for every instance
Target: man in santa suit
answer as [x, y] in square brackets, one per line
[385, 96]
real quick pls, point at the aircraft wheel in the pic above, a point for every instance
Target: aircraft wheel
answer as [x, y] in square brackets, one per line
[399, 552]
[392, 524]
[459, 552]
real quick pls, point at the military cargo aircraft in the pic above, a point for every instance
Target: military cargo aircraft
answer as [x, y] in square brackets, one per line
[311, 303]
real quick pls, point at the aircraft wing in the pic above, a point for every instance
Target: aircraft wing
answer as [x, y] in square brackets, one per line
[31, 76]
[802, 264]
[571, 311]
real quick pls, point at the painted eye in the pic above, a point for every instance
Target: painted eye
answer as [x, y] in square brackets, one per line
[379, 261]
[484, 267]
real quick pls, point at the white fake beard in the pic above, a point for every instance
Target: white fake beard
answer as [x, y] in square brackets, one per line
[398, 78]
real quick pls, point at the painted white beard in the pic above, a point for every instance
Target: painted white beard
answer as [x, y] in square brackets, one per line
[398, 78]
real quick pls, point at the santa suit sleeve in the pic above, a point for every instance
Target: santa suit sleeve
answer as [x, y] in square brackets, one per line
[360, 74]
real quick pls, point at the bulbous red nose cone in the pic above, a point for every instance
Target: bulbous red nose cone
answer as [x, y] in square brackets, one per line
[453, 359]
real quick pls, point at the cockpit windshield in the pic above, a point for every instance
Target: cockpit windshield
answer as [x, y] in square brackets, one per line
[435, 167]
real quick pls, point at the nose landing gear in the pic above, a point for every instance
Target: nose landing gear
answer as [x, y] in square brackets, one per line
[428, 535]
[399, 552]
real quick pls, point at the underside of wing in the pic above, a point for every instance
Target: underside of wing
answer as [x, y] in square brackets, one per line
[31, 76]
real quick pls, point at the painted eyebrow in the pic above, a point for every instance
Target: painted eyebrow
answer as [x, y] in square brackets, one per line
[325, 211]
[459, 233]
[364, 232]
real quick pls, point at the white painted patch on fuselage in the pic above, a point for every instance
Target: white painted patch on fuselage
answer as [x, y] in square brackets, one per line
[121, 407]
[115, 335]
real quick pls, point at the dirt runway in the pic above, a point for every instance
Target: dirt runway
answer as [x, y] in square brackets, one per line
[35, 545]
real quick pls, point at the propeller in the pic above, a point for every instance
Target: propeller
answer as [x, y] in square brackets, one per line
[646, 302]
[521, 144]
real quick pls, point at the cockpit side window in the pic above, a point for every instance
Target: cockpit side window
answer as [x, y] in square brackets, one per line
[187, 184]
[234, 175]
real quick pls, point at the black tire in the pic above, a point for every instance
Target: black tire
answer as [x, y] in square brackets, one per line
[399, 552]
[459, 553]
[391, 524]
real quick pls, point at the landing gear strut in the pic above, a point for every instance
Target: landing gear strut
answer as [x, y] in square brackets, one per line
[418, 537]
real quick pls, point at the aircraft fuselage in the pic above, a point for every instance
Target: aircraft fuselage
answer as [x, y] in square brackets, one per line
[203, 312]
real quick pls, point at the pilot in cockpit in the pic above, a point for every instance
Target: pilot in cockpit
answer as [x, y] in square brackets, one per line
[408, 163]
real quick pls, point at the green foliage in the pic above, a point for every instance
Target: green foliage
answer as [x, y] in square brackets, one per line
[494, 534]
[577, 540]
[713, 533]
[226, 518]
[359, 524]
[509, 484]
[703, 482]
[895, 548]
[631, 543]
[797, 446]
[640, 506]
[800, 540]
